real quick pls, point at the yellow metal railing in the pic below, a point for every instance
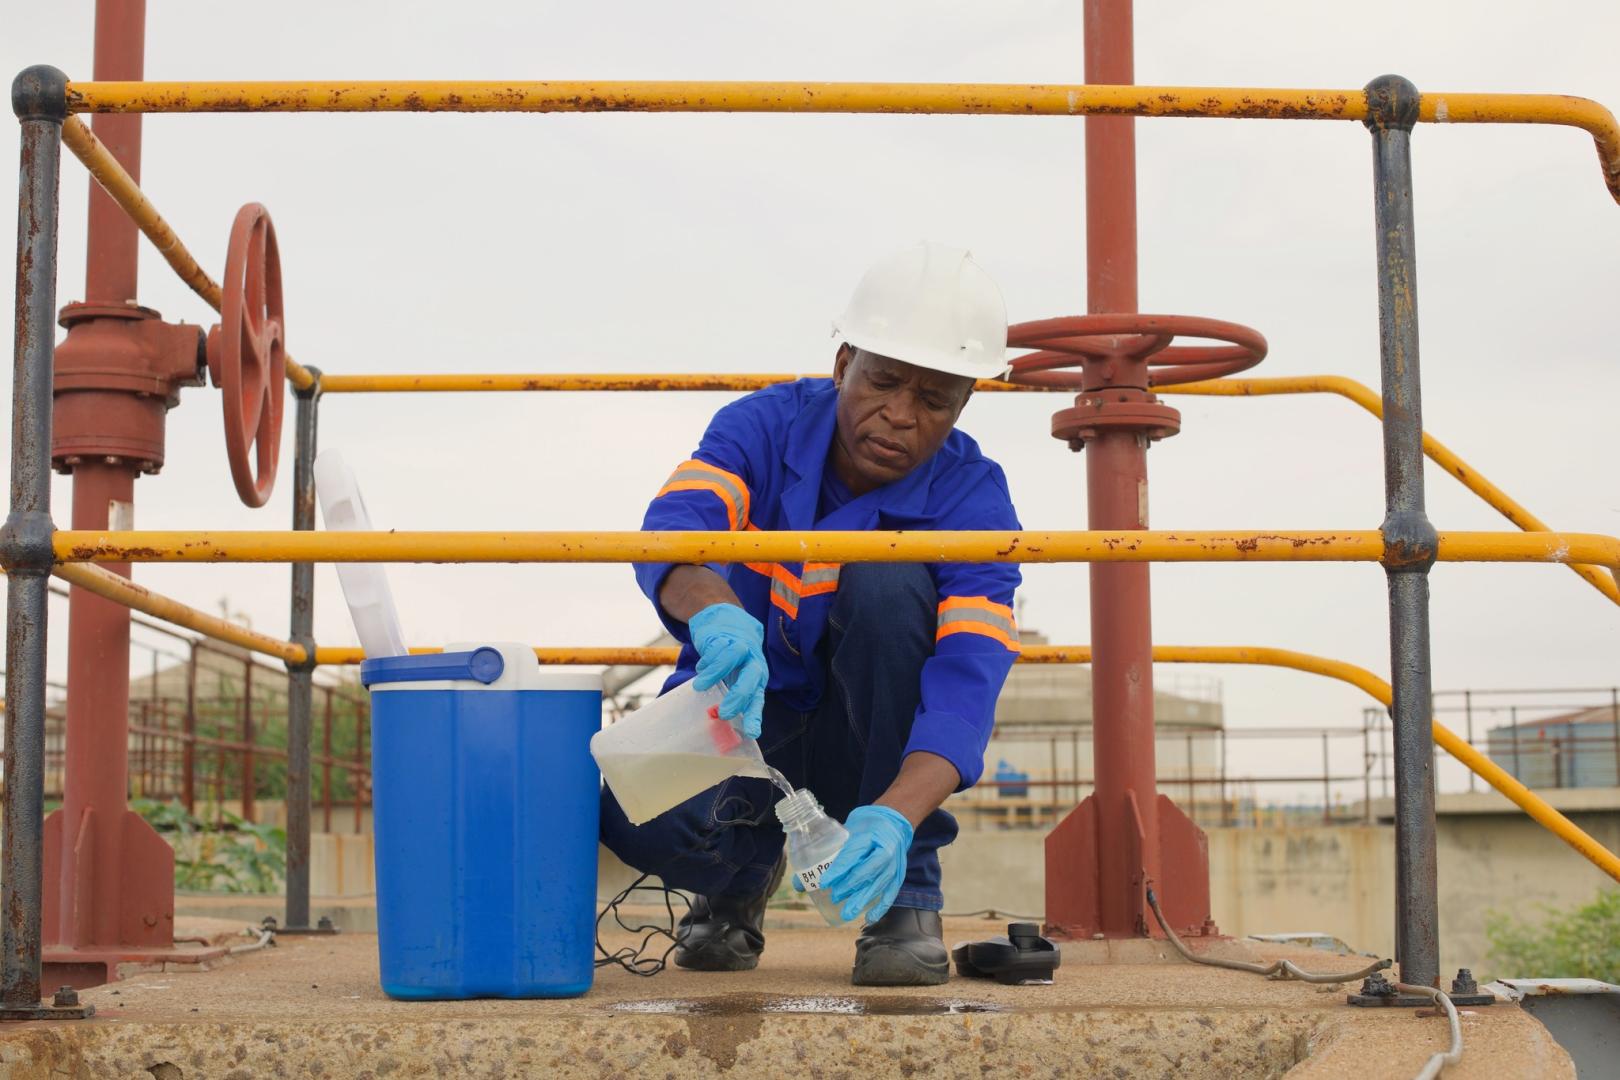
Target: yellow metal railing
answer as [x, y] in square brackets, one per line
[1362, 395]
[1448, 740]
[74, 549]
[1245, 103]
[1604, 581]
[1355, 545]
[105, 583]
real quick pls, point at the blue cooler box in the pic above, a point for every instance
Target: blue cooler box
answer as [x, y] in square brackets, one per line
[485, 798]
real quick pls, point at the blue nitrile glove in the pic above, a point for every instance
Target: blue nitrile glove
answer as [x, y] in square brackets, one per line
[730, 644]
[872, 862]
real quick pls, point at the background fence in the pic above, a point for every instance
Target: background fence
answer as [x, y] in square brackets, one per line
[208, 728]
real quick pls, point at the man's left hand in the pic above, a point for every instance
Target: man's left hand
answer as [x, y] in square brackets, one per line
[872, 863]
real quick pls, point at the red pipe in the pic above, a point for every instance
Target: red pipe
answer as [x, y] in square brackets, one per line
[1117, 498]
[1110, 164]
[1121, 684]
[110, 271]
[109, 878]
[96, 784]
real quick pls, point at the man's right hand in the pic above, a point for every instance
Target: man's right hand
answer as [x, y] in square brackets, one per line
[730, 644]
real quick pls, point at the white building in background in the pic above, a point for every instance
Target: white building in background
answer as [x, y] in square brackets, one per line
[1043, 733]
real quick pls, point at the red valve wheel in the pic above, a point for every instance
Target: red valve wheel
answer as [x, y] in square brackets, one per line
[246, 354]
[1106, 345]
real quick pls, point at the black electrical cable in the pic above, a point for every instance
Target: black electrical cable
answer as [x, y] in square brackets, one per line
[1281, 969]
[632, 957]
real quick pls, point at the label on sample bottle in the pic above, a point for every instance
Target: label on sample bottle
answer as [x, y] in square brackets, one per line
[811, 878]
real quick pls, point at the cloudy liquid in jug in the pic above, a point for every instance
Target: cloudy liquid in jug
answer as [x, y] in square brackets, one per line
[646, 785]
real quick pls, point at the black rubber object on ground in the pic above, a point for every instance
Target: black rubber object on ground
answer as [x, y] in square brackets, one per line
[1021, 958]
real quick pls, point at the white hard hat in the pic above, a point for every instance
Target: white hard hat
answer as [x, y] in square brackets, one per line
[933, 306]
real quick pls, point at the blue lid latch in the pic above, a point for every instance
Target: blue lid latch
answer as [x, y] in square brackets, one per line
[482, 664]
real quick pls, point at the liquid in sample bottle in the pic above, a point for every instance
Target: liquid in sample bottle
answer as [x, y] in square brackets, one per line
[813, 840]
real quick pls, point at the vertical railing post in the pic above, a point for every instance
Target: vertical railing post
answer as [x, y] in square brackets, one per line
[1614, 710]
[1327, 784]
[1513, 731]
[188, 737]
[326, 765]
[221, 743]
[1468, 712]
[39, 98]
[1409, 537]
[1366, 767]
[248, 735]
[1192, 801]
[1057, 792]
[300, 677]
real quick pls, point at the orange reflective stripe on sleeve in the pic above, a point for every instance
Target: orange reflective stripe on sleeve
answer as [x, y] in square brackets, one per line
[978, 615]
[697, 475]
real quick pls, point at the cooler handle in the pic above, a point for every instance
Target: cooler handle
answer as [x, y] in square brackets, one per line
[482, 664]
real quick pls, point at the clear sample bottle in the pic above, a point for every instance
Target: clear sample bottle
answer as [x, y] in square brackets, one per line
[813, 839]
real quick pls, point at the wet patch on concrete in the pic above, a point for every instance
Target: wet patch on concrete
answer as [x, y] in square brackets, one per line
[746, 1004]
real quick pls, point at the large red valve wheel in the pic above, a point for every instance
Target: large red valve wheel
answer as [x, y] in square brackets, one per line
[246, 354]
[1093, 341]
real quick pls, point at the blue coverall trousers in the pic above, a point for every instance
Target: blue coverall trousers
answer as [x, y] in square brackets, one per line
[726, 840]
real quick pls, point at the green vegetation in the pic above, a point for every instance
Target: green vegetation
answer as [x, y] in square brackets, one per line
[1581, 943]
[242, 857]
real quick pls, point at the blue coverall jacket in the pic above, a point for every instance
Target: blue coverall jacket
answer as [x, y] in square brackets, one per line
[759, 466]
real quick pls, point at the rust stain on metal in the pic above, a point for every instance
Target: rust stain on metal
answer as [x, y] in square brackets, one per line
[1399, 553]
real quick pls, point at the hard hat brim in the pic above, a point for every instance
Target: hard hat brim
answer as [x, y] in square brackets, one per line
[981, 367]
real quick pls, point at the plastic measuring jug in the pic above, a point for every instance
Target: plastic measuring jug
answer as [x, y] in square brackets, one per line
[672, 748]
[365, 586]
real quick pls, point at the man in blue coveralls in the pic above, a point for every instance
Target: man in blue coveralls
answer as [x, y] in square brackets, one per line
[873, 684]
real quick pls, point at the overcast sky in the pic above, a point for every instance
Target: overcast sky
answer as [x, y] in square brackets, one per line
[609, 243]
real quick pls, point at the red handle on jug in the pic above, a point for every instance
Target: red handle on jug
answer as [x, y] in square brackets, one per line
[724, 735]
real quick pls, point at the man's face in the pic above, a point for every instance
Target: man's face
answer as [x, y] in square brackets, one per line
[892, 416]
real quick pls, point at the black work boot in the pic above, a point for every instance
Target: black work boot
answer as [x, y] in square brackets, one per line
[725, 933]
[904, 948]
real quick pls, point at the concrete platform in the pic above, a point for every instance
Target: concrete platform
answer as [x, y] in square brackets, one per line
[312, 1007]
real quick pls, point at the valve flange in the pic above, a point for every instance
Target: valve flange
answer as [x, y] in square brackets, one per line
[115, 377]
[1120, 357]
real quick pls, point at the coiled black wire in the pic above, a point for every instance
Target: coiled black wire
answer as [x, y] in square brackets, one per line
[634, 958]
